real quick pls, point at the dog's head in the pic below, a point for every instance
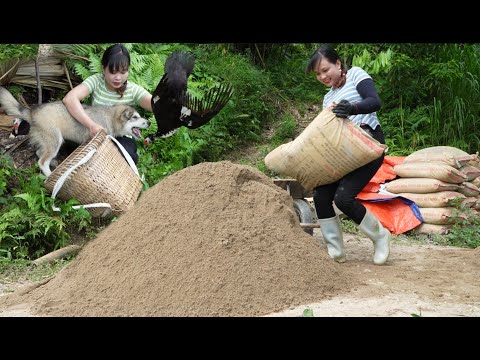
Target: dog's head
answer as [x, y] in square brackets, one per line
[132, 121]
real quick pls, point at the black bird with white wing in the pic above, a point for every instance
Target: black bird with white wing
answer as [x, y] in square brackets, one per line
[174, 107]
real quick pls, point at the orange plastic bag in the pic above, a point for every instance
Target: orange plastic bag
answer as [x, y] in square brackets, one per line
[396, 213]
[384, 173]
[394, 160]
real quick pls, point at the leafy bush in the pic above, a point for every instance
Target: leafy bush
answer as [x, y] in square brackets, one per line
[29, 227]
[10, 52]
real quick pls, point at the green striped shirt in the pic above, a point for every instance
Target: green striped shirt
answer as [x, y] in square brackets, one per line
[101, 95]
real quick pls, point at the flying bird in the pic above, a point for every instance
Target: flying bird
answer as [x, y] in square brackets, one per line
[174, 107]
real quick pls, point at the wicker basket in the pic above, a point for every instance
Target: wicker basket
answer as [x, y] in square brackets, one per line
[106, 177]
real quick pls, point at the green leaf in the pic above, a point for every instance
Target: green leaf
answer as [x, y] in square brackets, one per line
[308, 313]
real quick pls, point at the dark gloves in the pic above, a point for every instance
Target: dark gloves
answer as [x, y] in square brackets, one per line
[344, 108]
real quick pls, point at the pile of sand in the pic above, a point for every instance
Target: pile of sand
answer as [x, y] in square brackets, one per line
[215, 239]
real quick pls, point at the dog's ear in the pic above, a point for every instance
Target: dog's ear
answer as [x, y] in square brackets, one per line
[127, 113]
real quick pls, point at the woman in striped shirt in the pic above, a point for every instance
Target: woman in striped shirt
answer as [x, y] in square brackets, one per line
[109, 88]
[352, 94]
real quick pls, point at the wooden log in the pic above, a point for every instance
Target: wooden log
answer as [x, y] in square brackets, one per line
[57, 254]
[47, 67]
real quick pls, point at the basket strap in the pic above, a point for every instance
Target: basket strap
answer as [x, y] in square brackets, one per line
[61, 181]
[126, 154]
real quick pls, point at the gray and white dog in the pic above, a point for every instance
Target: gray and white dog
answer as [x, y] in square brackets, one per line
[51, 124]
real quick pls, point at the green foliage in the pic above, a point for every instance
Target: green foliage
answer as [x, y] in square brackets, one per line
[439, 85]
[286, 68]
[465, 231]
[29, 227]
[15, 270]
[16, 90]
[403, 126]
[247, 112]
[308, 312]
[259, 163]
[17, 51]
[349, 226]
[285, 131]
[166, 156]
[466, 227]
[454, 80]
[146, 60]
[373, 65]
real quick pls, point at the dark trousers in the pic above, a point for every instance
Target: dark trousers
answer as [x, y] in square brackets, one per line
[130, 145]
[344, 191]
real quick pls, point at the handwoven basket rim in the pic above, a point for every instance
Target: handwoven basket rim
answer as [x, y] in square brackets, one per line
[106, 177]
[72, 159]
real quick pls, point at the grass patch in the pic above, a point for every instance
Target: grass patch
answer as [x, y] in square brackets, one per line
[19, 270]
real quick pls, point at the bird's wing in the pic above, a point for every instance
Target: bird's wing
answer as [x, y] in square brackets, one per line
[198, 112]
[160, 90]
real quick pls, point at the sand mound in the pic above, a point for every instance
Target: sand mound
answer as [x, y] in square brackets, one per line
[215, 239]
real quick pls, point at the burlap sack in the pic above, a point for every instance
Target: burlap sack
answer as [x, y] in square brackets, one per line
[470, 171]
[328, 148]
[469, 189]
[431, 200]
[425, 228]
[420, 186]
[432, 170]
[439, 216]
[446, 154]
[476, 181]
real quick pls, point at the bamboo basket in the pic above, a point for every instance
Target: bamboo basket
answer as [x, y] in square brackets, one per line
[105, 178]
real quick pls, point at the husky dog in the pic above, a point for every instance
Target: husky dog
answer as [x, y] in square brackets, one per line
[51, 124]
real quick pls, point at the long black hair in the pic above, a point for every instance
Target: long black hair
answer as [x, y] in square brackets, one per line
[117, 58]
[327, 52]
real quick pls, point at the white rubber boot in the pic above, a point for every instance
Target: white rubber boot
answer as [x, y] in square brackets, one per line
[332, 233]
[373, 228]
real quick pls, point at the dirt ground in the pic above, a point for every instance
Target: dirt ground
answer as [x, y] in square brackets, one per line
[418, 280]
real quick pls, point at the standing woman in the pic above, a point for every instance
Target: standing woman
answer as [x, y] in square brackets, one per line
[111, 87]
[352, 94]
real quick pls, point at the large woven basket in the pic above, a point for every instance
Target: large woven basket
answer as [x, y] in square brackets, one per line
[106, 177]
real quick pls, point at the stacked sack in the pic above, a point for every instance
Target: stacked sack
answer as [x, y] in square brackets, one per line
[433, 177]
